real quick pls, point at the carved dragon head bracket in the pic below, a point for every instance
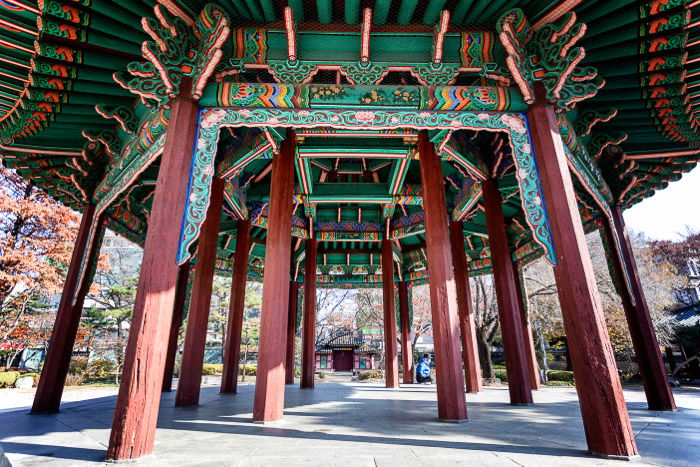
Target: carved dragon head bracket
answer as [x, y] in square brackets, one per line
[180, 58]
[548, 56]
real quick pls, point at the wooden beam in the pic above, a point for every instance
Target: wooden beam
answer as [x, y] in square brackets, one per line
[178, 313]
[136, 413]
[234, 325]
[190, 379]
[269, 385]
[443, 294]
[603, 409]
[308, 346]
[291, 332]
[406, 342]
[391, 365]
[507, 295]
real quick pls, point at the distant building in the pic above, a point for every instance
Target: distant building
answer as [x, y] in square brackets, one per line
[346, 353]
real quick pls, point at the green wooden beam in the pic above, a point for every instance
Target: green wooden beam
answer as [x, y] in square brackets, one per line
[325, 11]
[297, 7]
[352, 11]
[381, 11]
[460, 11]
[432, 12]
[268, 10]
[406, 11]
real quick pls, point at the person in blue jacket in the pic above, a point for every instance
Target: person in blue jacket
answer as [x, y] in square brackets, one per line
[423, 370]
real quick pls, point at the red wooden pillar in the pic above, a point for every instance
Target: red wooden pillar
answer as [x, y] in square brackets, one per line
[269, 385]
[178, 311]
[136, 412]
[391, 366]
[509, 312]
[308, 342]
[470, 353]
[452, 404]
[234, 325]
[190, 379]
[291, 332]
[53, 377]
[646, 347]
[406, 343]
[605, 417]
[529, 350]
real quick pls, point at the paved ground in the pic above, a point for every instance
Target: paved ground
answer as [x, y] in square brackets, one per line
[353, 424]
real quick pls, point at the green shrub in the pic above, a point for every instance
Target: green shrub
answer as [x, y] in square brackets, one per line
[499, 367]
[250, 369]
[212, 369]
[78, 365]
[560, 375]
[297, 371]
[99, 368]
[370, 374]
[501, 374]
[321, 374]
[558, 383]
[8, 378]
[30, 374]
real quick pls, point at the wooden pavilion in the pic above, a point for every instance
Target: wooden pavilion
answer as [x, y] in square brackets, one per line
[372, 143]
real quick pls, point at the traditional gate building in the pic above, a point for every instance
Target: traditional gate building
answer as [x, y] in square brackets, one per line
[352, 144]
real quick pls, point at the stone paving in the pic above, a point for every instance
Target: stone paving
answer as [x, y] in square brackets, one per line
[348, 424]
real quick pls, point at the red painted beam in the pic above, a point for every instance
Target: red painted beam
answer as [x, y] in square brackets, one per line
[269, 384]
[190, 379]
[136, 413]
[391, 360]
[234, 325]
[178, 312]
[646, 346]
[509, 311]
[603, 409]
[308, 345]
[53, 376]
[291, 332]
[452, 404]
[406, 342]
[470, 353]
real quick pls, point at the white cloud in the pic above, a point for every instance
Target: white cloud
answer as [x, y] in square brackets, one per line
[669, 211]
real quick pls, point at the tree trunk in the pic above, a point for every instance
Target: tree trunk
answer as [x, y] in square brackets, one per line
[485, 356]
[245, 360]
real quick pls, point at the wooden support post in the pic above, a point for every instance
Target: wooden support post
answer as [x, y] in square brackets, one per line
[178, 312]
[605, 417]
[269, 384]
[530, 355]
[308, 343]
[136, 412]
[406, 343]
[646, 347]
[470, 353]
[234, 325]
[452, 404]
[291, 332]
[509, 311]
[53, 377]
[190, 379]
[391, 360]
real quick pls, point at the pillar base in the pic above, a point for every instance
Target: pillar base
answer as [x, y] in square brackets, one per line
[458, 422]
[615, 457]
[269, 422]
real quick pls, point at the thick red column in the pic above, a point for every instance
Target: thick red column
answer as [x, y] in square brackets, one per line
[529, 350]
[391, 359]
[269, 384]
[646, 347]
[291, 332]
[234, 325]
[190, 379]
[53, 376]
[178, 312]
[452, 404]
[470, 353]
[605, 417]
[308, 337]
[406, 343]
[505, 282]
[136, 412]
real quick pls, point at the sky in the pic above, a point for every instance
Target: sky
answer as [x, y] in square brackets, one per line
[667, 213]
